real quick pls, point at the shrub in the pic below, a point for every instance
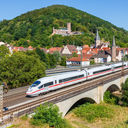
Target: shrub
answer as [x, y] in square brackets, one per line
[124, 98]
[49, 114]
[109, 98]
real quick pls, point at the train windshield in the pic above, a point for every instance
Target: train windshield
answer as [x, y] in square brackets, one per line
[36, 83]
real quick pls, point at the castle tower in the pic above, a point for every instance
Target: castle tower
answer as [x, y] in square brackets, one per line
[97, 42]
[69, 27]
[113, 50]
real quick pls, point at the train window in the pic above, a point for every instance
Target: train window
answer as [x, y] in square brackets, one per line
[48, 84]
[101, 70]
[41, 86]
[35, 83]
[71, 78]
[55, 81]
[120, 66]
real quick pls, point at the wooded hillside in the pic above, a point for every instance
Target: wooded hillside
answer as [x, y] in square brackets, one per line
[35, 28]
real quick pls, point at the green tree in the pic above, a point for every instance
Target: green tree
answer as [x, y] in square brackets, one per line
[21, 69]
[3, 51]
[63, 61]
[49, 114]
[57, 55]
[52, 60]
[43, 57]
[74, 54]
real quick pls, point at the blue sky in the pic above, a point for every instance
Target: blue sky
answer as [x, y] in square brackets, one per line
[114, 11]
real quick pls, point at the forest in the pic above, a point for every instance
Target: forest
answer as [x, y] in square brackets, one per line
[35, 28]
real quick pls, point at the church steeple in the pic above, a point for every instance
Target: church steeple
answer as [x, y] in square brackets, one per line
[113, 42]
[97, 35]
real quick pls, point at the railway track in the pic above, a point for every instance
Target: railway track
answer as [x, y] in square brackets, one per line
[64, 94]
[9, 100]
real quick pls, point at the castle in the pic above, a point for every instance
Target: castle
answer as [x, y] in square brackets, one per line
[65, 31]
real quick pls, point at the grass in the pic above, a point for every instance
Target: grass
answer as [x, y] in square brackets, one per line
[100, 116]
[92, 112]
[113, 116]
[22, 123]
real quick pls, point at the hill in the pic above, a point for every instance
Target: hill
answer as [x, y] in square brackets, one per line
[35, 28]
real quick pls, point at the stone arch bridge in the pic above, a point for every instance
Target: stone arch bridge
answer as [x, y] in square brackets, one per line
[95, 92]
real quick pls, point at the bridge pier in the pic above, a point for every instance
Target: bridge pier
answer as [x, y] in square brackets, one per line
[100, 94]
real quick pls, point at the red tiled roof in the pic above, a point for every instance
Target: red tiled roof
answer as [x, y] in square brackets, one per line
[105, 48]
[30, 47]
[71, 48]
[52, 50]
[77, 59]
[86, 46]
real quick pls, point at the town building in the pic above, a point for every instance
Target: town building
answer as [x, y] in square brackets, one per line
[68, 50]
[102, 57]
[78, 61]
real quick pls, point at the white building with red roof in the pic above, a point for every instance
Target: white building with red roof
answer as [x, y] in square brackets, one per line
[77, 61]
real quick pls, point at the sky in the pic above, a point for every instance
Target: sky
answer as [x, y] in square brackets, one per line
[114, 11]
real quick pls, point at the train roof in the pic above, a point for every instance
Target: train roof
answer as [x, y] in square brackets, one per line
[62, 75]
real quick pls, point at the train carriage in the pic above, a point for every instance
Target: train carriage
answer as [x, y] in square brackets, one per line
[50, 83]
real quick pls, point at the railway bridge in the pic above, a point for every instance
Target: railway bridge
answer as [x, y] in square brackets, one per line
[93, 91]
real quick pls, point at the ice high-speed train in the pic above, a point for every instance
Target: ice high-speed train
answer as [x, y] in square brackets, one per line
[50, 83]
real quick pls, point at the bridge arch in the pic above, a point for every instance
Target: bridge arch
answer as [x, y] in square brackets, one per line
[112, 87]
[80, 102]
[67, 105]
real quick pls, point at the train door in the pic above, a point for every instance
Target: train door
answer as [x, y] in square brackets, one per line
[86, 74]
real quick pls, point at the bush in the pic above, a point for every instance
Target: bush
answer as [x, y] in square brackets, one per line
[91, 112]
[109, 98]
[49, 114]
[124, 98]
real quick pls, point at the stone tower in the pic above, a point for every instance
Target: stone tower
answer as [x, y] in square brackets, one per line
[97, 42]
[69, 27]
[113, 50]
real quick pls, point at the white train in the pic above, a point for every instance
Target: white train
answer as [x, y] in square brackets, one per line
[47, 84]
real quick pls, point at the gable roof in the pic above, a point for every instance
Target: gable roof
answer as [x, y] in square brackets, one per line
[101, 54]
[72, 48]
